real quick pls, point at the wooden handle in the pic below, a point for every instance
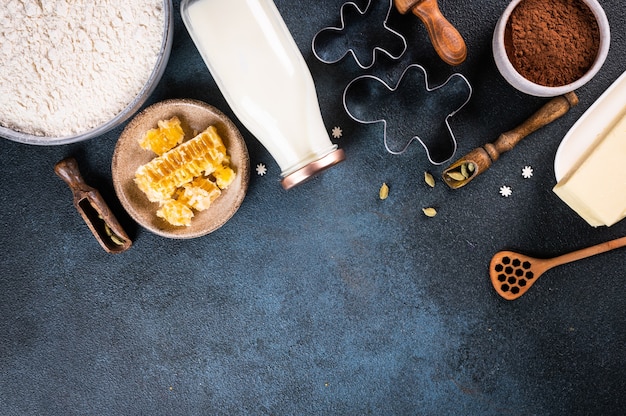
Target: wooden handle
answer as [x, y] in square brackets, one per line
[550, 111]
[404, 6]
[67, 169]
[587, 252]
[446, 39]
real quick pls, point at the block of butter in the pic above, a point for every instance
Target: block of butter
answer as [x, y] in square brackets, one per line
[595, 186]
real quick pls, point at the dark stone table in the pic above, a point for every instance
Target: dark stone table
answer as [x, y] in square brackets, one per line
[322, 299]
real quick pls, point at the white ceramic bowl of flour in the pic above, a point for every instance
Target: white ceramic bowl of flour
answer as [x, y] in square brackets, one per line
[81, 69]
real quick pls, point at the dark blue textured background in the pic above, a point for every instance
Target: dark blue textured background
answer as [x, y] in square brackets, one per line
[323, 299]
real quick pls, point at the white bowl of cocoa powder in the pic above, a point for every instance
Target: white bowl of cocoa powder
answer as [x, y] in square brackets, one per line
[548, 48]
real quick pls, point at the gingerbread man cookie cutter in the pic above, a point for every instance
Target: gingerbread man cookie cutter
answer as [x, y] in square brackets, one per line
[362, 34]
[411, 110]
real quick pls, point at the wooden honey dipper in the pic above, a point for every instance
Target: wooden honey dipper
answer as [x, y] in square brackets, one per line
[446, 39]
[512, 274]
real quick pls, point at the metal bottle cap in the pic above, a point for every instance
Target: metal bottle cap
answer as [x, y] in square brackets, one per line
[308, 171]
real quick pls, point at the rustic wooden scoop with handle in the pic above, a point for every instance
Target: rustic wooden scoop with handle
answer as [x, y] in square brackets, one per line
[446, 39]
[480, 159]
[512, 274]
[93, 209]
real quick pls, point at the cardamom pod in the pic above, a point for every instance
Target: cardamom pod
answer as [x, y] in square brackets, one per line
[457, 176]
[429, 179]
[464, 171]
[429, 212]
[384, 191]
[114, 237]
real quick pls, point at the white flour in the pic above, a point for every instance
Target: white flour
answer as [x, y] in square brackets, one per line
[67, 66]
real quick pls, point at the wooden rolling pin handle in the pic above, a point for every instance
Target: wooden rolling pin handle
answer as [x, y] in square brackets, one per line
[446, 39]
[551, 111]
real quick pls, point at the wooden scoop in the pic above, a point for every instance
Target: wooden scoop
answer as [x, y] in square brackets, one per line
[446, 40]
[512, 274]
[479, 160]
[93, 209]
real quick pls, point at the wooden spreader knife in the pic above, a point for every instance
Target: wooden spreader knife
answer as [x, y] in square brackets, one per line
[446, 39]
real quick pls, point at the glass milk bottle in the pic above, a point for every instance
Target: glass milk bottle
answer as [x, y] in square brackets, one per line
[260, 71]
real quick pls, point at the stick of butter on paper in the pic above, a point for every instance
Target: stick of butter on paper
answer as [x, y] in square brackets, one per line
[596, 187]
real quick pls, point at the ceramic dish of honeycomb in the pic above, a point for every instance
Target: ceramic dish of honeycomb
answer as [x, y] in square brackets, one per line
[159, 188]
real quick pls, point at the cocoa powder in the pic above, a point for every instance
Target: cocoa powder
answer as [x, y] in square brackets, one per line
[552, 42]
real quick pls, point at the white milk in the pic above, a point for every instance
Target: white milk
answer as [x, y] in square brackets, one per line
[263, 76]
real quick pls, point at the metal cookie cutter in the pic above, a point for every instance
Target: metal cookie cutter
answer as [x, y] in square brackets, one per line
[411, 110]
[362, 34]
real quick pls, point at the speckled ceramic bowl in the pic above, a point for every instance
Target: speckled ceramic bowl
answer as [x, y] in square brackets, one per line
[195, 116]
[524, 85]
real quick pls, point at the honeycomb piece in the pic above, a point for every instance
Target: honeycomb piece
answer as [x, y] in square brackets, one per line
[199, 193]
[160, 177]
[175, 212]
[224, 176]
[166, 136]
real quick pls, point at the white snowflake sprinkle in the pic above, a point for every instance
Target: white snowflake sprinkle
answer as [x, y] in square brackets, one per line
[337, 132]
[261, 169]
[527, 172]
[506, 191]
